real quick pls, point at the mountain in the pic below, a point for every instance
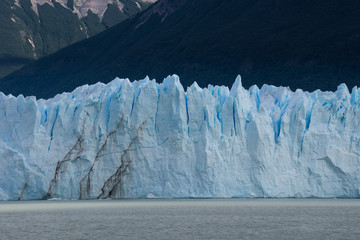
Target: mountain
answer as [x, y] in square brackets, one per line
[302, 44]
[30, 29]
[144, 139]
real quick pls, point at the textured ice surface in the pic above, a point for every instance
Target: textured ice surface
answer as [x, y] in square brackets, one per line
[144, 139]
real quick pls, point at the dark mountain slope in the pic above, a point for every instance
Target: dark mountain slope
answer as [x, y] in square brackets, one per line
[302, 44]
[32, 29]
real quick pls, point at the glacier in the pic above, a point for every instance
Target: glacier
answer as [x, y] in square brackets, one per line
[145, 139]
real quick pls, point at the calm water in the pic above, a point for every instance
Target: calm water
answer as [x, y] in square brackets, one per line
[181, 219]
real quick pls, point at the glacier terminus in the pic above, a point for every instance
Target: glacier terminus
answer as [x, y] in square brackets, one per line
[145, 139]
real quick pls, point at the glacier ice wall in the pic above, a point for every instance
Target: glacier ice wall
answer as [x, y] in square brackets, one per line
[144, 139]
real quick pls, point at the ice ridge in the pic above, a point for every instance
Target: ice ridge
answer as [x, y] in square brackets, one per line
[143, 138]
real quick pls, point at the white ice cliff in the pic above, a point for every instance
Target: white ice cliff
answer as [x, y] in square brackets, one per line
[144, 139]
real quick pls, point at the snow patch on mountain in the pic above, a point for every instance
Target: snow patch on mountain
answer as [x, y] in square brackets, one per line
[81, 7]
[162, 9]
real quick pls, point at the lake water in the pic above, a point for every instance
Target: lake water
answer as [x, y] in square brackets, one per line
[182, 219]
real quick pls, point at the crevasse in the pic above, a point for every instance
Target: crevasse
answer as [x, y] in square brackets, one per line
[140, 139]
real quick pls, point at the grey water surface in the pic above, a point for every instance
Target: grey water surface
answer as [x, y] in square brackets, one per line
[182, 219]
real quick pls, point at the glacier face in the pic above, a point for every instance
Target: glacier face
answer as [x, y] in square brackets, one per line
[144, 139]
